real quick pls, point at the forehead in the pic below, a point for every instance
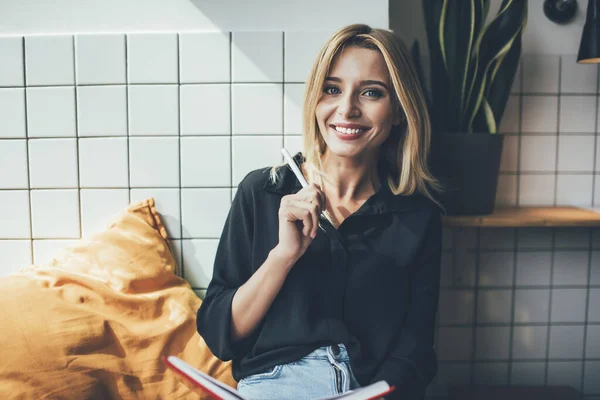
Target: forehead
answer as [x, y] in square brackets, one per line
[359, 63]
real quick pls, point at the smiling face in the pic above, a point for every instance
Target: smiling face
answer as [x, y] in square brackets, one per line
[355, 112]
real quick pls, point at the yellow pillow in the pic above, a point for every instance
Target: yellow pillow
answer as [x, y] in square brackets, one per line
[95, 321]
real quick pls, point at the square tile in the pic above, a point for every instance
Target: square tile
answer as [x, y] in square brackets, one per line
[12, 113]
[506, 190]
[576, 153]
[492, 343]
[591, 383]
[593, 301]
[195, 66]
[494, 306]
[540, 73]
[14, 214]
[49, 60]
[496, 268]
[571, 238]
[46, 250]
[205, 109]
[540, 114]
[205, 161]
[531, 305]
[198, 261]
[100, 58]
[574, 190]
[13, 158]
[102, 110]
[257, 109]
[204, 212]
[536, 190]
[577, 114]
[535, 238]
[55, 213]
[51, 112]
[568, 305]
[570, 268]
[11, 54]
[538, 153]
[257, 56]
[14, 255]
[167, 204]
[510, 154]
[453, 373]
[530, 373]
[306, 46]
[244, 154]
[456, 306]
[53, 163]
[100, 207]
[103, 162]
[565, 373]
[293, 144]
[533, 268]
[490, 373]
[577, 78]
[154, 162]
[455, 343]
[292, 108]
[154, 110]
[595, 272]
[566, 342]
[152, 58]
[596, 190]
[529, 342]
[592, 344]
[497, 239]
[512, 115]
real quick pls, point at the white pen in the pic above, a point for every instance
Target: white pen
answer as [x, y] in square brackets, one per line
[290, 161]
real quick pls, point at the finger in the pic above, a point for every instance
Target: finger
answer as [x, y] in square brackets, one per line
[300, 213]
[314, 210]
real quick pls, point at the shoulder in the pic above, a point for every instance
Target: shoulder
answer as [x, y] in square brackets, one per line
[260, 181]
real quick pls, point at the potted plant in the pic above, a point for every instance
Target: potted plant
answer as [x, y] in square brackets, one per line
[472, 66]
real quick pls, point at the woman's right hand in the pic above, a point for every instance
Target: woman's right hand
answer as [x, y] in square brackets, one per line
[299, 221]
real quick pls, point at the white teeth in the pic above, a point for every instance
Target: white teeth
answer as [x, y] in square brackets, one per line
[348, 131]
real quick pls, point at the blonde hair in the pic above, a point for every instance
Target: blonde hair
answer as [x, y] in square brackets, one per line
[405, 151]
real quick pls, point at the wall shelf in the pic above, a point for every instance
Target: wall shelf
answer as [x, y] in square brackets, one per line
[516, 217]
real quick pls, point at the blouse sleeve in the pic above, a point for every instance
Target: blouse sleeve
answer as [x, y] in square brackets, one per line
[232, 268]
[412, 363]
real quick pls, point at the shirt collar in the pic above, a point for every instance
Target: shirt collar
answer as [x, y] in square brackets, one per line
[382, 201]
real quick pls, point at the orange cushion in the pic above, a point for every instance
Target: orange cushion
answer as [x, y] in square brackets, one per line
[94, 322]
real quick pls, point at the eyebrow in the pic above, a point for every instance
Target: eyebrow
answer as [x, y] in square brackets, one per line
[367, 82]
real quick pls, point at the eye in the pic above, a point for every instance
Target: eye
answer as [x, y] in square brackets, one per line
[331, 90]
[373, 93]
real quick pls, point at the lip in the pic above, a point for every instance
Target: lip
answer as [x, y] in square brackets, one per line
[344, 137]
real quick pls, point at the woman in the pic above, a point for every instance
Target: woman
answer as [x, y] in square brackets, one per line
[307, 309]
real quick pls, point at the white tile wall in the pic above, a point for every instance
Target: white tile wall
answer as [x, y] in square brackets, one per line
[92, 122]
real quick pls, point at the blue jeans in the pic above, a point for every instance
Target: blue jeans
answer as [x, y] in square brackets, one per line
[324, 372]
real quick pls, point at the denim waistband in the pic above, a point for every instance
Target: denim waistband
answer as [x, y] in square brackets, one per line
[336, 352]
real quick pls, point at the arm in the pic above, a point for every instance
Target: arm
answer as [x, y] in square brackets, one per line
[412, 364]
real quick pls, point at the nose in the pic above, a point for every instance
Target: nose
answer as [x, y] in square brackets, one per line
[347, 106]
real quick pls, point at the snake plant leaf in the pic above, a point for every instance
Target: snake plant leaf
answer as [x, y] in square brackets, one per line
[432, 10]
[416, 55]
[494, 43]
[456, 45]
[502, 80]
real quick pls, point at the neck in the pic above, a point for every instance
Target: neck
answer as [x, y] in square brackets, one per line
[350, 179]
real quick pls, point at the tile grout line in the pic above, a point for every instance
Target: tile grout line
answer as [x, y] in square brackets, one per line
[512, 306]
[283, 37]
[26, 124]
[77, 139]
[181, 273]
[475, 305]
[231, 110]
[127, 119]
[550, 296]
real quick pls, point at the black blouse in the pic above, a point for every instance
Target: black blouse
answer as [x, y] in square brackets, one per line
[372, 284]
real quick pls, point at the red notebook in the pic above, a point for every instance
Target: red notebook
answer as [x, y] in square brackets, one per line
[204, 384]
